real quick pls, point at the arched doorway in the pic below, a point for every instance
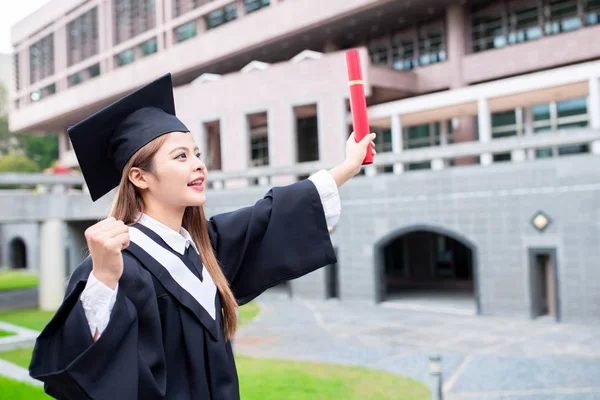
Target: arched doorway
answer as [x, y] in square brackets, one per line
[18, 254]
[428, 267]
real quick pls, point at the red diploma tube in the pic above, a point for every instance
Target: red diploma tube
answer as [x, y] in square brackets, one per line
[358, 103]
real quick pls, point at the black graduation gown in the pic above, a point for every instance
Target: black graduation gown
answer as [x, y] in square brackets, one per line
[162, 344]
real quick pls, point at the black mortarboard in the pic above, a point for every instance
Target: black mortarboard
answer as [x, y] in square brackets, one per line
[106, 140]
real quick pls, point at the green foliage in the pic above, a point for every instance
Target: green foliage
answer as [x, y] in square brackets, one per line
[15, 163]
[5, 334]
[41, 149]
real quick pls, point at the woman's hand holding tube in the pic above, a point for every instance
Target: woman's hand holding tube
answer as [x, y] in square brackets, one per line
[355, 154]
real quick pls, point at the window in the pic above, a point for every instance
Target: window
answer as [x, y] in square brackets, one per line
[132, 17]
[185, 31]
[259, 146]
[41, 60]
[149, 47]
[426, 135]
[307, 133]
[523, 21]
[487, 28]
[403, 52]
[84, 75]
[505, 124]
[82, 37]
[181, 7]
[43, 93]
[16, 71]
[431, 44]
[592, 11]
[566, 114]
[383, 141]
[221, 16]
[125, 57]
[424, 45]
[563, 16]
[253, 5]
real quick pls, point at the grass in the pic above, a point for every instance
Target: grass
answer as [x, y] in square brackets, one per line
[5, 333]
[14, 390]
[247, 313]
[12, 280]
[21, 357]
[32, 319]
[292, 380]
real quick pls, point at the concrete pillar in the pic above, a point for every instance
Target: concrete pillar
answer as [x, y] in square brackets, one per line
[159, 23]
[241, 9]
[370, 170]
[168, 16]
[594, 110]
[528, 130]
[456, 34]
[60, 55]
[484, 122]
[333, 131]
[518, 155]
[397, 141]
[437, 164]
[105, 35]
[52, 264]
[235, 136]
[282, 140]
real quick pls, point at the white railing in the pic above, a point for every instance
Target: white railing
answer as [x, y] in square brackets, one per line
[262, 175]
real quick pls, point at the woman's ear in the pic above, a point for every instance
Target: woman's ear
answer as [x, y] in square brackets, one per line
[138, 178]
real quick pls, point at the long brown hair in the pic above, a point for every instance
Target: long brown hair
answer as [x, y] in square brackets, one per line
[128, 203]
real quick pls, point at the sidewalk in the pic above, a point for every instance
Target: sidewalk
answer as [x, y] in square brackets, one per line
[484, 358]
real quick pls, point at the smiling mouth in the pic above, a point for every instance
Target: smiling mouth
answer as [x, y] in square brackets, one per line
[196, 182]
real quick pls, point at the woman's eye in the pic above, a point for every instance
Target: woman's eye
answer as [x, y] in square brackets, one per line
[199, 155]
[182, 155]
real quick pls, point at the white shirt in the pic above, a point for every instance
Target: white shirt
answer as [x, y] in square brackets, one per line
[98, 299]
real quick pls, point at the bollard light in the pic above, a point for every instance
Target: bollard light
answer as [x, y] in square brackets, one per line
[435, 370]
[435, 364]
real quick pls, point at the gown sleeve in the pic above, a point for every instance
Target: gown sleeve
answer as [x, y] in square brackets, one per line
[126, 362]
[281, 237]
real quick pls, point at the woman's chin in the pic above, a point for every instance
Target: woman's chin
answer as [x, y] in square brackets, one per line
[196, 201]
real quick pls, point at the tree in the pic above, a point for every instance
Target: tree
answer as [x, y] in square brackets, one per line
[16, 163]
[41, 149]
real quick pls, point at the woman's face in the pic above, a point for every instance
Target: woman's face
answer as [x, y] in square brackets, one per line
[179, 176]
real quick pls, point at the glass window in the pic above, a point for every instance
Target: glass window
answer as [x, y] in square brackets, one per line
[541, 112]
[185, 31]
[563, 16]
[523, 21]
[419, 166]
[379, 53]
[94, 70]
[403, 52]
[259, 147]
[253, 5]
[149, 47]
[221, 16]
[571, 107]
[487, 28]
[500, 157]
[431, 45]
[126, 57]
[383, 141]
[592, 11]
[504, 124]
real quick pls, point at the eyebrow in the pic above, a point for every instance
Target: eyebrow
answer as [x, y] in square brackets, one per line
[183, 148]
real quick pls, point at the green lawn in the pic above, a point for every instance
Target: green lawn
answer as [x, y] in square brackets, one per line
[15, 390]
[247, 313]
[10, 280]
[4, 334]
[32, 319]
[291, 380]
[20, 357]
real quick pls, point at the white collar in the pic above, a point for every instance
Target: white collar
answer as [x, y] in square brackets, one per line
[178, 241]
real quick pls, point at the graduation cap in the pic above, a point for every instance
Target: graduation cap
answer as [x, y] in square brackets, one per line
[106, 140]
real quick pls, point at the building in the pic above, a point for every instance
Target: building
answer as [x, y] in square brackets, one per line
[485, 193]
[6, 81]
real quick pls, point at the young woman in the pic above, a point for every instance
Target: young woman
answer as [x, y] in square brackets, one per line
[150, 314]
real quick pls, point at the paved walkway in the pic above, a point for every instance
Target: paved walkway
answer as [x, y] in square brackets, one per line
[484, 358]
